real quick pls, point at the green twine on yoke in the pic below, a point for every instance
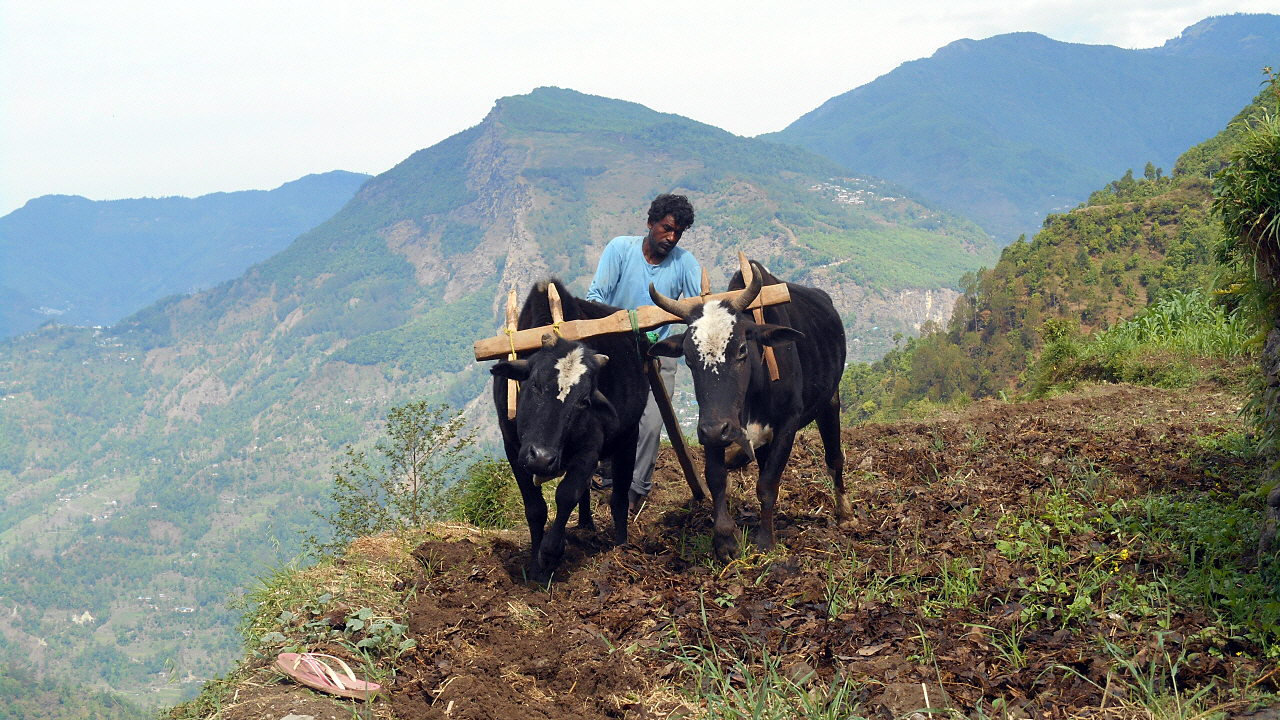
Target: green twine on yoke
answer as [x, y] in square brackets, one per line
[635, 328]
[650, 337]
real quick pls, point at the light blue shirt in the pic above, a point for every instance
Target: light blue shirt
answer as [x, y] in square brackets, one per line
[622, 278]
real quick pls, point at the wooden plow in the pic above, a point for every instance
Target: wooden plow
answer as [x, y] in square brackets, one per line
[512, 342]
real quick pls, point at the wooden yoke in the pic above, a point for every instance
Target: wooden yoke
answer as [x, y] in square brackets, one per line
[513, 387]
[758, 312]
[557, 308]
[647, 318]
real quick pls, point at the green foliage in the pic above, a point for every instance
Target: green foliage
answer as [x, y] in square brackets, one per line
[424, 451]
[1247, 197]
[23, 696]
[436, 341]
[1203, 538]
[487, 495]
[1154, 348]
[1127, 189]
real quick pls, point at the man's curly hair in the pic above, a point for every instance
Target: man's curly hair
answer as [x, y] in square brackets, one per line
[677, 206]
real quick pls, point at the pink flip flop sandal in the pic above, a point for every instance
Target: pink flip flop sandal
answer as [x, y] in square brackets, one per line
[310, 670]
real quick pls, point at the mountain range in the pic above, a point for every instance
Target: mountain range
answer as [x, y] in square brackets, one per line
[1007, 129]
[86, 262]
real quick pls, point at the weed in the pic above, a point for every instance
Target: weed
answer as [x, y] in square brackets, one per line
[926, 654]
[839, 593]
[736, 688]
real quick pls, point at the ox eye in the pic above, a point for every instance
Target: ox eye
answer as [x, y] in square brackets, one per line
[583, 401]
[742, 352]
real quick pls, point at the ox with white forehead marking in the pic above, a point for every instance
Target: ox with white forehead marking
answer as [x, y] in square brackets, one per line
[711, 333]
[570, 368]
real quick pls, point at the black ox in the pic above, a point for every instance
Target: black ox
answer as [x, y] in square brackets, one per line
[739, 406]
[578, 403]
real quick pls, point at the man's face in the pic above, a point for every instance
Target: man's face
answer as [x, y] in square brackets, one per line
[665, 234]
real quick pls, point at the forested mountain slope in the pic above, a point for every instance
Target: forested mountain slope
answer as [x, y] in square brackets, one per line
[1015, 126]
[85, 262]
[150, 468]
[1136, 240]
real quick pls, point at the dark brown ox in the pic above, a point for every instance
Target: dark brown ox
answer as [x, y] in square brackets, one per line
[742, 412]
[578, 403]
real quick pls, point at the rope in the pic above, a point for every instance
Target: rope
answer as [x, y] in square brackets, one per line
[635, 329]
[511, 338]
[555, 328]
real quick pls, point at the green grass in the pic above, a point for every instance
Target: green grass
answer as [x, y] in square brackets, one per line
[1160, 346]
[755, 685]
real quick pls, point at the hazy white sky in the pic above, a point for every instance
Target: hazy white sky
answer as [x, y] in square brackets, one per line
[130, 98]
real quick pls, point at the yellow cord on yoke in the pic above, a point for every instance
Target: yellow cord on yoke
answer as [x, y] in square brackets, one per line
[511, 338]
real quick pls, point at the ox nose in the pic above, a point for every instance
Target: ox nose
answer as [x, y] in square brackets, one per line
[714, 433]
[538, 460]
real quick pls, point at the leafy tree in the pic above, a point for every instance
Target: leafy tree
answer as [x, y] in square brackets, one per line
[424, 451]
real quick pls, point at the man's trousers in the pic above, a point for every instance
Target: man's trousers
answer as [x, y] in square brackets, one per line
[651, 431]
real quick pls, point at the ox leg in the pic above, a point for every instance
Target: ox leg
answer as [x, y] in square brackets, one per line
[535, 506]
[586, 523]
[624, 464]
[829, 428]
[767, 484]
[576, 481]
[724, 531]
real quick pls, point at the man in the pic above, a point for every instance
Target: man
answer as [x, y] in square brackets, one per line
[622, 279]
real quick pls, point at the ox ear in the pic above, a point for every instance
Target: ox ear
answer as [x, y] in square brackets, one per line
[671, 347]
[773, 334]
[517, 370]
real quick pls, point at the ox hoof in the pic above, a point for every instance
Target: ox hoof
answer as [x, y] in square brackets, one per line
[726, 548]
[548, 560]
[552, 550]
[764, 541]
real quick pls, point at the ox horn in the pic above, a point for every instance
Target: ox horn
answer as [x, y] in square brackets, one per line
[748, 295]
[602, 360]
[679, 308]
[548, 341]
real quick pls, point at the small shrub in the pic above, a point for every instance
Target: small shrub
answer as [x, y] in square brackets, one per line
[422, 455]
[487, 496]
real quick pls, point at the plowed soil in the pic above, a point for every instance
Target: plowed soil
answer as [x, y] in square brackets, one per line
[600, 639]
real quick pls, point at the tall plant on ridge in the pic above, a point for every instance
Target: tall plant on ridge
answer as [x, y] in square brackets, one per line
[425, 449]
[1247, 196]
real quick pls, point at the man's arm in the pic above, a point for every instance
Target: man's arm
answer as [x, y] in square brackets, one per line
[607, 274]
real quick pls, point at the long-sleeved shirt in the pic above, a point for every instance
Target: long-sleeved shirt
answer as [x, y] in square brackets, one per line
[622, 278]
